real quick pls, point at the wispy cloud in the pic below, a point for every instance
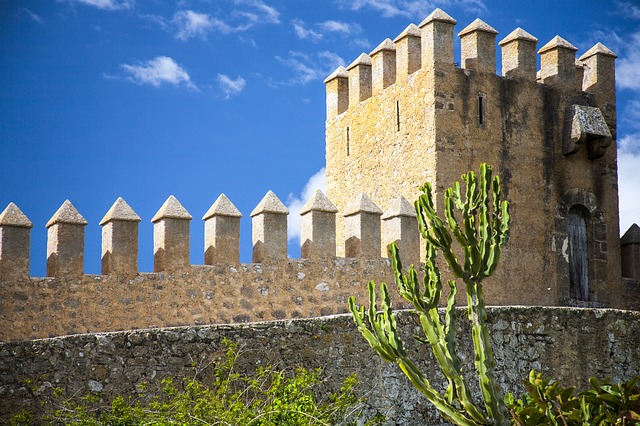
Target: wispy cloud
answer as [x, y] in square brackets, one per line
[24, 12]
[158, 71]
[628, 64]
[305, 33]
[341, 27]
[410, 8]
[317, 32]
[242, 17]
[628, 9]
[107, 4]
[308, 68]
[191, 24]
[295, 203]
[229, 86]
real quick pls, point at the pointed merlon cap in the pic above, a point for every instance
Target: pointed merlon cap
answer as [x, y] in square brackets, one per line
[632, 236]
[362, 204]
[438, 15]
[13, 216]
[120, 210]
[517, 34]
[319, 203]
[557, 43]
[598, 49]
[399, 207]
[363, 59]
[67, 213]
[270, 204]
[222, 207]
[171, 209]
[411, 31]
[340, 72]
[387, 44]
[477, 25]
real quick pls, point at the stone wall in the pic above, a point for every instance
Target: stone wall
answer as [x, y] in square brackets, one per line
[32, 308]
[569, 344]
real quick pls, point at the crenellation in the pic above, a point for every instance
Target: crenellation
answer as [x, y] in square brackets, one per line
[359, 79]
[171, 250]
[437, 39]
[222, 233]
[400, 226]
[383, 66]
[362, 228]
[408, 48]
[318, 227]
[15, 230]
[478, 47]
[599, 79]
[558, 63]
[65, 242]
[337, 89]
[269, 230]
[519, 55]
[120, 240]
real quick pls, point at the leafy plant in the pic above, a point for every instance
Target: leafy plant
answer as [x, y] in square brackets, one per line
[268, 397]
[483, 231]
[548, 403]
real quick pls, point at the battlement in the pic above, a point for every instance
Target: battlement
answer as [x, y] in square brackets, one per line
[367, 229]
[428, 47]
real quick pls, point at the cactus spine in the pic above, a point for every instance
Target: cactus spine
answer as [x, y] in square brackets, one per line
[485, 229]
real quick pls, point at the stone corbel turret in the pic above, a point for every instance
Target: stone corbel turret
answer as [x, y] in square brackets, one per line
[585, 124]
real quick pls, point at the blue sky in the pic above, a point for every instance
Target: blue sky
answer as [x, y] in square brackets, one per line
[143, 99]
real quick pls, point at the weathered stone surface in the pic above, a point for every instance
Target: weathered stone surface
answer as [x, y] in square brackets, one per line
[13, 216]
[67, 213]
[171, 209]
[222, 207]
[567, 344]
[120, 210]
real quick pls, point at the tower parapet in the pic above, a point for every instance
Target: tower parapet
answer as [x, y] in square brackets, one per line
[549, 133]
[519, 54]
[478, 47]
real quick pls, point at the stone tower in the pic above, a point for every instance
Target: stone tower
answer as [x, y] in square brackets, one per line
[407, 113]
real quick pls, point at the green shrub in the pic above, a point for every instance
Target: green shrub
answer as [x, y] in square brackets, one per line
[548, 403]
[267, 397]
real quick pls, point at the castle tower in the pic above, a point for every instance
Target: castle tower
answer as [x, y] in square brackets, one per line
[551, 139]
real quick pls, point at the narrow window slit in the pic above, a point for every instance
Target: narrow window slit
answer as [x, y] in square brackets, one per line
[481, 110]
[347, 141]
[398, 115]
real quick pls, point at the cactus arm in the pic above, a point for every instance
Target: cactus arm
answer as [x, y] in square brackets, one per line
[484, 361]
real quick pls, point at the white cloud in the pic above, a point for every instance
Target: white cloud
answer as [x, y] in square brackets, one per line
[410, 8]
[306, 68]
[319, 30]
[108, 4]
[629, 180]
[191, 24]
[303, 32]
[341, 27]
[229, 86]
[294, 204]
[628, 64]
[262, 12]
[157, 71]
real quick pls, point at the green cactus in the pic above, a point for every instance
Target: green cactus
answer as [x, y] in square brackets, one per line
[484, 230]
